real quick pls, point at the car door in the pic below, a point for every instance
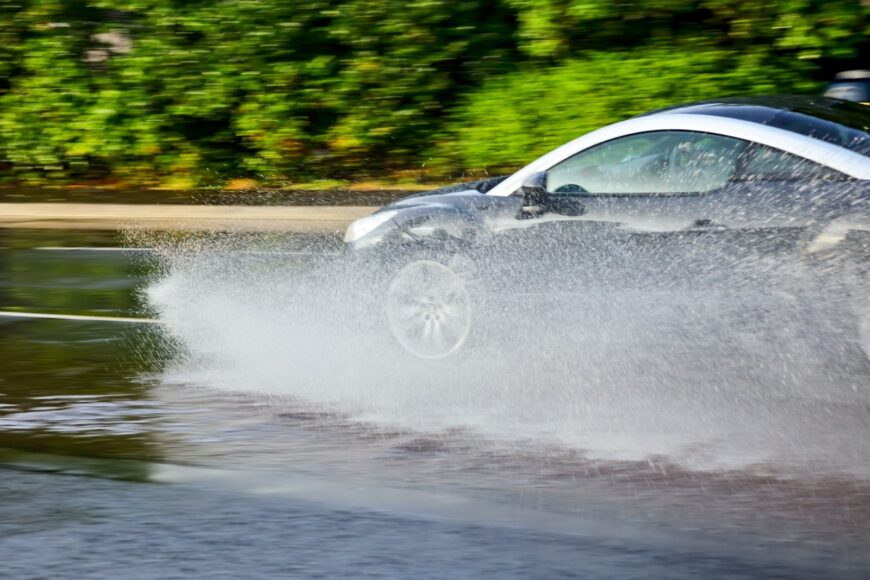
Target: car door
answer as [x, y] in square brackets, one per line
[649, 212]
[680, 207]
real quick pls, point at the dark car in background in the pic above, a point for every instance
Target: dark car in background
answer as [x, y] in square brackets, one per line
[853, 85]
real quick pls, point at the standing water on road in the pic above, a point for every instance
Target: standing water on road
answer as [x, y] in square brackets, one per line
[291, 438]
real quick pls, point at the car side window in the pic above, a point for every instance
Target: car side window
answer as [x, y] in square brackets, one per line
[767, 164]
[660, 162]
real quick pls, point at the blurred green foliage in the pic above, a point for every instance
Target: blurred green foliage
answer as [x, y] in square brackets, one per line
[525, 114]
[186, 92]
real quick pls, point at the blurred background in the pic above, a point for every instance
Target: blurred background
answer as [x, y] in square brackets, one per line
[187, 93]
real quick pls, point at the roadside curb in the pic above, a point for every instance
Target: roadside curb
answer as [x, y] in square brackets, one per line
[186, 217]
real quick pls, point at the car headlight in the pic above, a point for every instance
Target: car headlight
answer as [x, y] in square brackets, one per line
[366, 225]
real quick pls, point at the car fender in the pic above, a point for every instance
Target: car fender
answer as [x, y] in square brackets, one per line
[433, 221]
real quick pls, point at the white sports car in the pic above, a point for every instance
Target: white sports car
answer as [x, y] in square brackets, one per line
[770, 193]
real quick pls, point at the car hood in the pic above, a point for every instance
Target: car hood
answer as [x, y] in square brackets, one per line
[478, 187]
[433, 197]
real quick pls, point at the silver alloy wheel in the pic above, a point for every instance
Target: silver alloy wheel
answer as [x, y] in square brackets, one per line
[428, 309]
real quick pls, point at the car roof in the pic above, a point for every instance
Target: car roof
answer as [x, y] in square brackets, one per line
[760, 109]
[826, 147]
[834, 121]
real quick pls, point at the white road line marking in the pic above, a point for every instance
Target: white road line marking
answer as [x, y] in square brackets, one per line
[40, 315]
[89, 249]
[247, 252]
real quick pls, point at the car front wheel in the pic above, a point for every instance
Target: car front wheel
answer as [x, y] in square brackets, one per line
[429, 307]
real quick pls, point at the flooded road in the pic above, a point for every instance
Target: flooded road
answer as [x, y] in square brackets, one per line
[232, 441]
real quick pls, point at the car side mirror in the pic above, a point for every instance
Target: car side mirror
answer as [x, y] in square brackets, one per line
[534, 193]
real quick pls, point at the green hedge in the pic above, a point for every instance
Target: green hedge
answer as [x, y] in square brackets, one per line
[513, 119]
[196, 92]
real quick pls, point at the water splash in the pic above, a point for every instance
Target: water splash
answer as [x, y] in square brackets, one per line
[675, 375]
